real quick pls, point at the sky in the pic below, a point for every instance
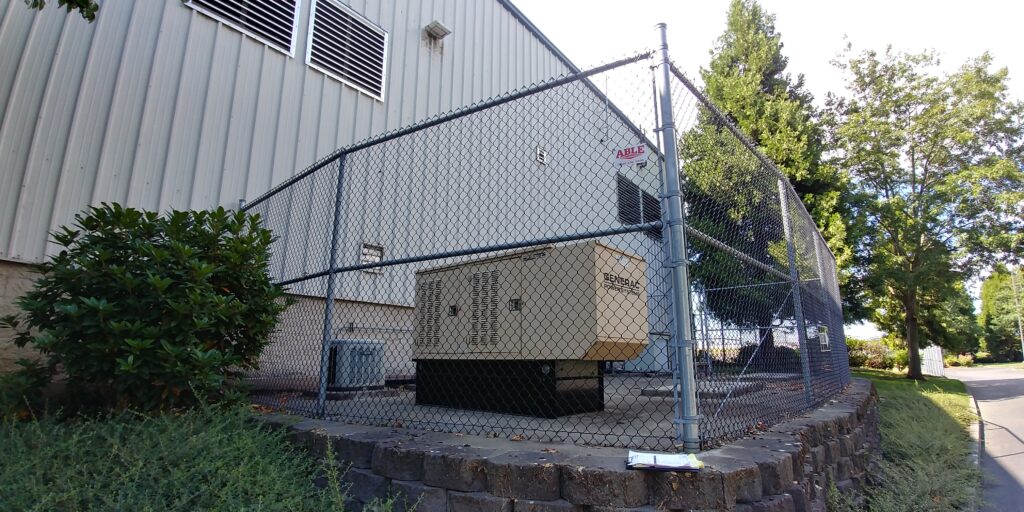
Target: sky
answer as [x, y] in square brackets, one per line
[813, 33]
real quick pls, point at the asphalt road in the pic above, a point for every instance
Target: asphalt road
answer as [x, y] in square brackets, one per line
[1000, 396]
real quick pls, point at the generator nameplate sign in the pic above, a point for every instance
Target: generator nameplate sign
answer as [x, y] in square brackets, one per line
[630, 155]
[622, 284]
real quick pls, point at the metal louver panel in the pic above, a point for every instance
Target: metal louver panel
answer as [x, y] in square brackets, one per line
[429, 320]
[270, 21]
[484, 308]
[348, 47]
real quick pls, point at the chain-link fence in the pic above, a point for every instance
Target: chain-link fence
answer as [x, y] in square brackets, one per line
[507, 270]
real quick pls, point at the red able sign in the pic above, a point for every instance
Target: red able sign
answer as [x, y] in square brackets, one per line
[630, 155]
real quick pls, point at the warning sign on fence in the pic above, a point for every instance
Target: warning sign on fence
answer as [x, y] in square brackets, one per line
[630, 155]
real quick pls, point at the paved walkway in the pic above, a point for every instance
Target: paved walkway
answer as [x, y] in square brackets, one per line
[1000, 396]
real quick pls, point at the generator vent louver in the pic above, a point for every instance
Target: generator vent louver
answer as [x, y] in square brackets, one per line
[484, 307]
[348, 47]
[429, 314]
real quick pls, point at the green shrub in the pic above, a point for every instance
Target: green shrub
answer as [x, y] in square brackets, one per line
[21, 391]
[983, 357]
[204, 459]
[857, 358]
[965, 360]
[153, 312]
[950, 360]
[901, 358]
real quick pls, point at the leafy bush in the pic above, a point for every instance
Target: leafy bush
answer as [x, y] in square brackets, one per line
[983, 357]
[901, 358]
[951, 360]
[22, 390]
[150, 311]
[205, 459]
[876, 354]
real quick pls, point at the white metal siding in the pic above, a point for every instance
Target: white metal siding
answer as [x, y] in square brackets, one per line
[158, 106]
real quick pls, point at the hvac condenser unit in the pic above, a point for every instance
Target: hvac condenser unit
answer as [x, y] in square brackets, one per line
[527, 332]
[355, 364]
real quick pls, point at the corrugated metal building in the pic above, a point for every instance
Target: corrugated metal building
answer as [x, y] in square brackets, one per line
[171, 104]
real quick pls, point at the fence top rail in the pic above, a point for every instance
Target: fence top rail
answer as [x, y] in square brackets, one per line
[471, 109]
[747, 143]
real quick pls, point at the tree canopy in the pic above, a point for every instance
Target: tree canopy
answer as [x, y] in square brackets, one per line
[87, 8]
[935, 160]
[1000, 309]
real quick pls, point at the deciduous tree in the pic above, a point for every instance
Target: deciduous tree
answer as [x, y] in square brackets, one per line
[936, 159]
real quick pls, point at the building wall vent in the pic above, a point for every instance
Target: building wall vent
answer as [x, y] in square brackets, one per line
[270, 21]
[348, 47]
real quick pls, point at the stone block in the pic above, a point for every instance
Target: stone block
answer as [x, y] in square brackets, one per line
[477, 502]
[703, 490]
[546, 506]
[775, 468]
[524, 475]
[832, 451]
[844, 468]
[459, 468]
[778, 503]
[602, 481]
[357, 449]
[741, 476]
[801, 500]
[400, 459]
[417, 496]
[818, 458]
[364, 485]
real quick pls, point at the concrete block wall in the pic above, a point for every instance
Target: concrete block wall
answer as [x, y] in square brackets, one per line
[787, 468]
[15, 280]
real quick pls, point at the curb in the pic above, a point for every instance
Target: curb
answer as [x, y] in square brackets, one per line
[977, 431]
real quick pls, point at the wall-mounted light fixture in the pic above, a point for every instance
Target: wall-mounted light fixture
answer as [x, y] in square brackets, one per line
[436, 30]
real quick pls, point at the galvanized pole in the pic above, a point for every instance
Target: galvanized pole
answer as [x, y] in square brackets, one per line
[674, 222]
[798, 306]
[1016, 302]
[325, 348]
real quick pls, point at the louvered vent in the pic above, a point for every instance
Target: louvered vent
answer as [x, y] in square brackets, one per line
[270, 21]
[429, 321]
[484, 308]
[348, 47]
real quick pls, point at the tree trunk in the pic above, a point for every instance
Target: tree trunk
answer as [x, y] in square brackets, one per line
[913, 335]
[766, 354]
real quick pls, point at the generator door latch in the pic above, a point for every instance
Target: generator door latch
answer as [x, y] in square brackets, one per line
[453, 310]
[515, 304]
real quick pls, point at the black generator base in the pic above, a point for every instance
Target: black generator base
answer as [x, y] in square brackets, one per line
[545, 389]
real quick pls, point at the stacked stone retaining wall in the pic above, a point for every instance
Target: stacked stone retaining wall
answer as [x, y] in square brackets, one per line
[788, 467]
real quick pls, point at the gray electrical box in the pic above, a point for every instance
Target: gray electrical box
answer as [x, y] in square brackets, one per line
[355, 365]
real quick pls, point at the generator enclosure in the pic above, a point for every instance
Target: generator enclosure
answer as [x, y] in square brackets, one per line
[527, 332]
[578, 302]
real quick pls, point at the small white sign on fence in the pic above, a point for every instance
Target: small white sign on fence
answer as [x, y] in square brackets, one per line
[630, 155]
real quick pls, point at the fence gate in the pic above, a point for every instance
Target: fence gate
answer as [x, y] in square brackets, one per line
[602, 259]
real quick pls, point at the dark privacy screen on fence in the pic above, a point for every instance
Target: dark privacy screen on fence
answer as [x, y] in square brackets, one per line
[504, 270]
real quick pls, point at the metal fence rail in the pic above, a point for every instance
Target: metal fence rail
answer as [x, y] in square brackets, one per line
[601, 259]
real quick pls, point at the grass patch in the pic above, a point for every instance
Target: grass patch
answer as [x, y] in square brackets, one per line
[201, 460]
[1018, 366]
[925, 446]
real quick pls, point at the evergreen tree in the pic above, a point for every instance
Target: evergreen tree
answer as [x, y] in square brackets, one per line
[747, 80]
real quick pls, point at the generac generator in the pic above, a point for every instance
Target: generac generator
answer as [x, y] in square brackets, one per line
[527, 332]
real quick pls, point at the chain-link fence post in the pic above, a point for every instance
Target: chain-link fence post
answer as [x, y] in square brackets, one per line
[674, 222]
[325, 349]
[798, 307]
